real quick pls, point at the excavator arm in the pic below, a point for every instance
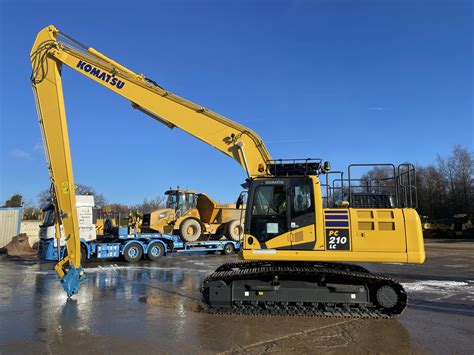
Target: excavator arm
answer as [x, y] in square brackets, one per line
[50, 52]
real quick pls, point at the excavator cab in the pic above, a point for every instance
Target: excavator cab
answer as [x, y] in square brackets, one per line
[292, 215]
[278, 206]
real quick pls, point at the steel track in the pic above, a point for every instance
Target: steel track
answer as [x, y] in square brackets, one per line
[344, 273]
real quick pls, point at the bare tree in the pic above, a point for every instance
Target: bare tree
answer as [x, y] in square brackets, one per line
[115, 208]
[148, 206]
[458, 172]
[446, 189]
[432, 192]
[45, 197]
[378, 180]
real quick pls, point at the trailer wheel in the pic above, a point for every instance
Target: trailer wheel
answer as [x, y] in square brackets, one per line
[234, 230]
[190, 230]
[133, 252]
[228, 249]
[155, 251]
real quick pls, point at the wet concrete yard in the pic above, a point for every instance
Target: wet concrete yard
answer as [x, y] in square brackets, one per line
[155, 307]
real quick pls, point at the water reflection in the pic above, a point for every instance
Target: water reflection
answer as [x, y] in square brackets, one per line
[69, 314]
[251, 334]
[164, 301]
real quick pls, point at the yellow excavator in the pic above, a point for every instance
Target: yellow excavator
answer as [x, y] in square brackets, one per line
[297, 247]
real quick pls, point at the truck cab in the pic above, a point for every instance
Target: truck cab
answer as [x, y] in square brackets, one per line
[46, 230]
[48, 243]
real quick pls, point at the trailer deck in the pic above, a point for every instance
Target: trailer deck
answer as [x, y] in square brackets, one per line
[134, 247]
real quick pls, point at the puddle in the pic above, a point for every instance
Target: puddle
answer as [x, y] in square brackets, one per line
[439, 287]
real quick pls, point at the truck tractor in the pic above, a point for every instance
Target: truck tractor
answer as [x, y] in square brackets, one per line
[192, 215]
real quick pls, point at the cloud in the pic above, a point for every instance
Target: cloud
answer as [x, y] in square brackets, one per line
[376, 108]
[18, 153]
[38, 146]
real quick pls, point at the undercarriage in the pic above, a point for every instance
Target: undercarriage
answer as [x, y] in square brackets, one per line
[302, 289]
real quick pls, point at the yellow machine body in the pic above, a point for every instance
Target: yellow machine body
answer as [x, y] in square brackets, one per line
[370, 235]
[369, 240]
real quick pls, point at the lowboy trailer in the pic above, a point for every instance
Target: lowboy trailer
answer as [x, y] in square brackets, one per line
[134, 247]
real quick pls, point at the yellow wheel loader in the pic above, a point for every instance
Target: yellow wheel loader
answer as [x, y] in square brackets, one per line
[193, 215]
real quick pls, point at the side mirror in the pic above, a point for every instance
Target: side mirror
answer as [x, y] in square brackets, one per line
[240, 201]
[326, 167]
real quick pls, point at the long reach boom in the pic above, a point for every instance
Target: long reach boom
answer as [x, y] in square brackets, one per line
[50, 51]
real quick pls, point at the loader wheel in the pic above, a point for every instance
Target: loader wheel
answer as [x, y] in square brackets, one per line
[133, 252]
[155, 251]
[190, 230]
[234, 230]
[228, 249]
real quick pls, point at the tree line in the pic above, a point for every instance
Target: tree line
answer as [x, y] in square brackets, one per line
[444, 188]
[32, 210]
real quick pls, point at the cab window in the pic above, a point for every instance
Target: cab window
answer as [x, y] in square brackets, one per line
[190, 201]
[49, 218]
[182, 202]
[171, 202]
[302, 209]
[269, 212]
[269, 200]
[301, 198]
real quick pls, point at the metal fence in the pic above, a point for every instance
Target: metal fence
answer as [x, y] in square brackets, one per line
[10, 221]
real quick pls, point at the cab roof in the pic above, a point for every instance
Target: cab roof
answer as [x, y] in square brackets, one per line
[171, 192]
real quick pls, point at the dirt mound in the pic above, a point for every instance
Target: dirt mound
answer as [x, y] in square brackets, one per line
[18, 246]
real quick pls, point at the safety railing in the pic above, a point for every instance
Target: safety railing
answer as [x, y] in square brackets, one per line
[380, 186]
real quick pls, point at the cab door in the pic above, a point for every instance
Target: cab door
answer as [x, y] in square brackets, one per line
[267, 216]
[302, 214]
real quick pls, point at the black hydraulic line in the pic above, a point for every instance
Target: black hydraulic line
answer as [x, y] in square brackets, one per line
[72, 40]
